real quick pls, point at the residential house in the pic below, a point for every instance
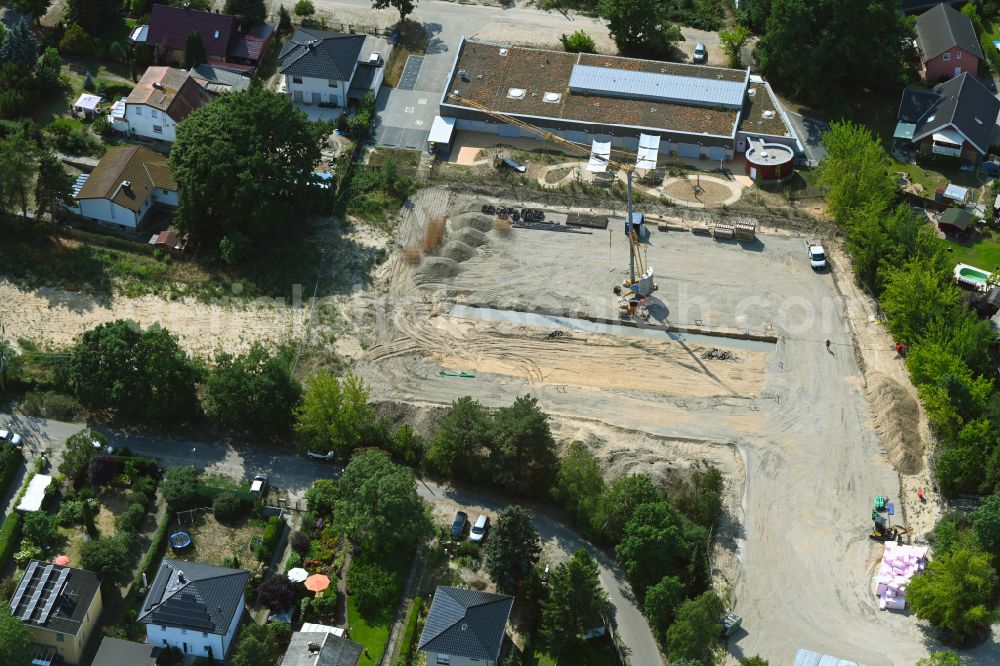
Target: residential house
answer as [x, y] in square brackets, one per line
[956, 118]
[687, 111]
[116, 652]
[321, 648]
[911, 6]
[124, 187]
[465, 627]
[225, 40]
[329, 68]
[194, 607]
[162, 98]
[59, 606]
[217, 79]
[947, 44]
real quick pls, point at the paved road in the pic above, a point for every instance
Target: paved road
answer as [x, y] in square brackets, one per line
[295, 474]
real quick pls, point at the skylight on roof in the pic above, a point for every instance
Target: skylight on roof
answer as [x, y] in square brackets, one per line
[552, 97]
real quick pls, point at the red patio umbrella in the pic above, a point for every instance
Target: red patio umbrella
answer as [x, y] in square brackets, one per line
[317, 582]
[62, 560]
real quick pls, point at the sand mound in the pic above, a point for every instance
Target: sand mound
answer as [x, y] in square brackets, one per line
[471, 237]
[897, 420]
[458, 251]
[437, 268]
[476, 221]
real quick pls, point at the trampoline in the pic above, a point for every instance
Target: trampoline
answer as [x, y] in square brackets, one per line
[179, 540]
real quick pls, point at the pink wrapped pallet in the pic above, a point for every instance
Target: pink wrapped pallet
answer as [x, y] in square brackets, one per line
[895, 604]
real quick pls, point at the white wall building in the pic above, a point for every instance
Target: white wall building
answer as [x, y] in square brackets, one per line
[329, 68]
[465, 627]
[162, 98]
[195, 608]
[124, 187]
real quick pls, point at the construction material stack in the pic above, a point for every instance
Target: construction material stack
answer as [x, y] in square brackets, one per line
[746, 229]
[900, 563]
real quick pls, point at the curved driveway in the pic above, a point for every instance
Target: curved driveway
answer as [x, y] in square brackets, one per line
[290, 472]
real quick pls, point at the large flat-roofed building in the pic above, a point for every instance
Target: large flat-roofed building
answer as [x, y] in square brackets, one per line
[697, 111]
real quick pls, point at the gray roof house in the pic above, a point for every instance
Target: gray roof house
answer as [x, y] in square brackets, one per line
[330, 68]
[310, 648]
[116, 652]
[961, 113]
[465, 627]
[194, 607]
[941, 28]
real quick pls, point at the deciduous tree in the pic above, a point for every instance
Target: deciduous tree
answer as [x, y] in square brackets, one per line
[955, 592]
[661, 604]
[855, 171]
[243, 163]
[133, 374]
[79, 450]
[578, 42]
[377, 505]
[278, 593]
[986, 523]
[97, 17]
[917, 293]
[181, 488]
[334, 414]
[107, 557]
[640, 27]
[249, 12]
[254, 391]
[695, 632]
[52, 188]
[624, 495]
[941, 659]
[404, 7]
[15, 639]
[304, 8]
[660, 541]
[261, 644]
[733, 41]
[579, 485]
[512, 549]
[576, 602]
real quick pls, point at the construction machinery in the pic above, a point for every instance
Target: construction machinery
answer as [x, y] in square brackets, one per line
[882, 529]
[643, 284]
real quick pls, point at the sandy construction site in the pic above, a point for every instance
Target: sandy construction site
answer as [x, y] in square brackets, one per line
[788, 421]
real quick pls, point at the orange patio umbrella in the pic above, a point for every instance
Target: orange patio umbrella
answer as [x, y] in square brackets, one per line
[62, 560]
[317, 582]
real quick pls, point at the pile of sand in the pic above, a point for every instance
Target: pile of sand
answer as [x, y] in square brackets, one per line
[476, 221]
[897, 418]
[458, 251]
[471, 237]
[437, 268]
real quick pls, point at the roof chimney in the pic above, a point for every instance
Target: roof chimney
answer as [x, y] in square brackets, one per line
[158, 85]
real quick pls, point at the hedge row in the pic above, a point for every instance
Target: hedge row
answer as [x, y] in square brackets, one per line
[10, 461]
[156, 549]
[272, 534]
[10, 538]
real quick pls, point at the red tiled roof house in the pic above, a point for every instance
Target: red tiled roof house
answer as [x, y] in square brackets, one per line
[162, 98]
[947, 44]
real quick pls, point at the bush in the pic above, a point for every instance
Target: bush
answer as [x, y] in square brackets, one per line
[269, 541]
[102, 469]
[373, 588]
[227, 507]
[101, 125]
[181, 488]
[10, 537]
[130, 520]
[578, 42]
[52, 405]
[72, 511]
[10, 461]
[39, 528]
[277, 593]
[29, 551]
[76, 41]
[107, 557]
[66, 135]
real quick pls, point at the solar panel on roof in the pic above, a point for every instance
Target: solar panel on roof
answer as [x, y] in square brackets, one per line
[611, 82]
[36, 597]
[23, 585]
[53, 595]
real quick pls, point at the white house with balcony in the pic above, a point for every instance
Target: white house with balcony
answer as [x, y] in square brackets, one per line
[162, 98]
[195, 608]
[330, 68]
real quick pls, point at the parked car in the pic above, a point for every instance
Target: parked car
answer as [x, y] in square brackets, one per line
[259, 485]
[700, 53]
[459, 525]
[817, 256]
[8, 435]
[479, 529]
[319, 456]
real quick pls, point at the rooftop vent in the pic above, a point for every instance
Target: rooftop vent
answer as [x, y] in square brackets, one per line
[751, 91]
[503, 52]
[374, 58]
[516, 93]
[314, 647]
[768, 114]
[158, 85]
[464, 626]
[463, 74]
[552, 97]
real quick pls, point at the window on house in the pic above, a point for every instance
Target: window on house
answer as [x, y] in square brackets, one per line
[331, 83]
[296, 79]
[204, 634]
[138, 110]
[946, 57]
[958, 55]
[158, 129]
[184, 631]
[164, 628]
[60, 638]
[155, 113]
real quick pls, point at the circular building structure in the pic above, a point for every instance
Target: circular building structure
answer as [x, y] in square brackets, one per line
[769, 162]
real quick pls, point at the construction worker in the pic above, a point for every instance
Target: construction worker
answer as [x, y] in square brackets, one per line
[828, 344]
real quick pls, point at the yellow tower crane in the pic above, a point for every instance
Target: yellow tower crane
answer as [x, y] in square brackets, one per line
[629, 169]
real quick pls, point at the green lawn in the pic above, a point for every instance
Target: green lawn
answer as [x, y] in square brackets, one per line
[932, 178]
[597, 652]
[373, 632]
[985, 254]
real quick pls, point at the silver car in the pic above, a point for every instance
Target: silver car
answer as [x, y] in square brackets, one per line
[700, 53]
[479, 529]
